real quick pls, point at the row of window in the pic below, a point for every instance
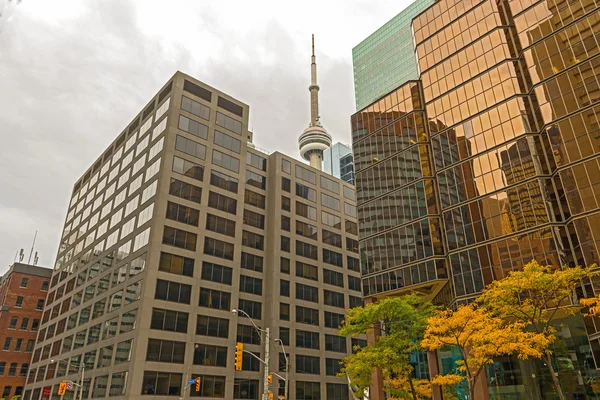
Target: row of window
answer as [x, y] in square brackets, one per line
[18, 347]
[13, 369]
[24, 325]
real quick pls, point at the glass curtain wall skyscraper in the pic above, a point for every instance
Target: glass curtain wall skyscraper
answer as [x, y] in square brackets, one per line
[502, 167]
[339, 162]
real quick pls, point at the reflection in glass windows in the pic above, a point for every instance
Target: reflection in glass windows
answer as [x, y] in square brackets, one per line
[195, 128]
[256, 161]
[226, 161]
[183, 214]
[256, 180]
[223, 181]
[227, 142]
[188, 168]
[185, 190]
[190, 147]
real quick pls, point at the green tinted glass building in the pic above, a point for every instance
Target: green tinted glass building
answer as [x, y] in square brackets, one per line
[385, 60]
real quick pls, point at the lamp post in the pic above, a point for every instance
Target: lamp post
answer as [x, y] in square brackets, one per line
[81, 376]
[265, 340]
[287, 366]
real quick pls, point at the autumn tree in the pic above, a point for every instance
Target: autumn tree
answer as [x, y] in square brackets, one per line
[534, 298]
[593, 304]
[401, 322]
[479, 336]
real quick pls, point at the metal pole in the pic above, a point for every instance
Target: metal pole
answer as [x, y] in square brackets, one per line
[287, 378]
[82, 376]
[266, 383]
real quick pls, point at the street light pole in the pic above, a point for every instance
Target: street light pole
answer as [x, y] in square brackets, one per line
[82, 383]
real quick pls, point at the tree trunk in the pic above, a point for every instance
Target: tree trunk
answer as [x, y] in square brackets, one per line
[412, 388]
[472, 391]
[555, 380]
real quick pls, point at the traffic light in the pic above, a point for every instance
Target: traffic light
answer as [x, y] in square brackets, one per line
[62, 388]
[271, 395]
[239, 353]
[270, 379]
[198, 384]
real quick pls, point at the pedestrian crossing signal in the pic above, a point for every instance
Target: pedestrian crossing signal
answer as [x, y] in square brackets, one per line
[197, 384]
[239, 354]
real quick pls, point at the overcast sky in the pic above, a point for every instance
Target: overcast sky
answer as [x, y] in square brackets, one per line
[74, 73]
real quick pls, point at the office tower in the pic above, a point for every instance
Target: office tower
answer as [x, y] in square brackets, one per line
[315, 139]
[178, 222]
[23, 290]
[339, 162]
[386, 58]
[487, 161]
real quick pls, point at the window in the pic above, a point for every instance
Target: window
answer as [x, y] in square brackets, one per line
[165, 351]
[227, 142]
[24, 282]
[40, 305]
[179, 238]
[284, 335]
[349, 193]
[285, 203]
[284, 311]
[306, 211]
[19, 302]
[306, 315]
[172, 291]
[229, 123]
[256, 161]
[225, 161]
[285, 244]
[306, 250]
[29, 347]
[330, 202]
[250, 363]
[352, 228]
[331, 220]
[354, 283]
[220, 225]
[118, 383]
[352, 245]
[307, 271]
[169, 320]
[216, 273]
[330, 184]
[307, 365]
[23, 371]
[218, 248]
[284, 265]
[223, 181]
[175, 264]
[188, 168]
[286, 166]
[333, 320]
[247, 334]
[285, 223]
[308, 293]
[183, 214]
[196, 90]
[358, 343]
[355, 301]
[307, 339]
[212, 326]
[193, 127]
[254, 219]
[193, 107]
[190, 147]
[332, 238]
[306, 175]
[284, 288]
[221, 202]
[332, 257]
[210, 386]
[333, 278]
[335, 343]
[353, 264]
[216, 299]
[306, 230]
[256, 180]
[185, 190]
[252, 262]
[308, 390]
[24, 323]
[306, 192]
[44, 287]
[8, 389]
[7, 343]
[12, 370]
[286, 184]
[211, 356]
[254, 199]
[13, 323]
[253, 240]
[246, 389]
[2, 367]
[161, 383]
[337, 390]
[253, 308]
[350, 210]
[334, 299]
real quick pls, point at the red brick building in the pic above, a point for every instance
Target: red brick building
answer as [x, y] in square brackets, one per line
[23, 291]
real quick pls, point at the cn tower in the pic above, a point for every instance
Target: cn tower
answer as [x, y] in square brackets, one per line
[315, 139]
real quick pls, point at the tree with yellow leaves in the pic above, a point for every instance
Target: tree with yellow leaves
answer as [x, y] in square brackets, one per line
[479, 336]
[593, 304]
[534, 298]
[401, 322]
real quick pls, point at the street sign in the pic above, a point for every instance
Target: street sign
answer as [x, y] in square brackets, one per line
[191, 381]
[46, 392]
[69, 385]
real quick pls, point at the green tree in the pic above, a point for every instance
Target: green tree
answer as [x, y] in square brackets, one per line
[401, 322]
[479, 336]
[534, 298]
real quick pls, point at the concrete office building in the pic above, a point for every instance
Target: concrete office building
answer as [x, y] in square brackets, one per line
[339, 162]
[23, 290]
[386, 58]
[489, 159]
[178, 222]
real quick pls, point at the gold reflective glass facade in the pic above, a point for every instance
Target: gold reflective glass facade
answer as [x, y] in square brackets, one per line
[506, 156]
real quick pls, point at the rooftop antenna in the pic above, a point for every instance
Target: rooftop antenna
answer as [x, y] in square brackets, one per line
[35, 258]
[21, 255]
[31, 252]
